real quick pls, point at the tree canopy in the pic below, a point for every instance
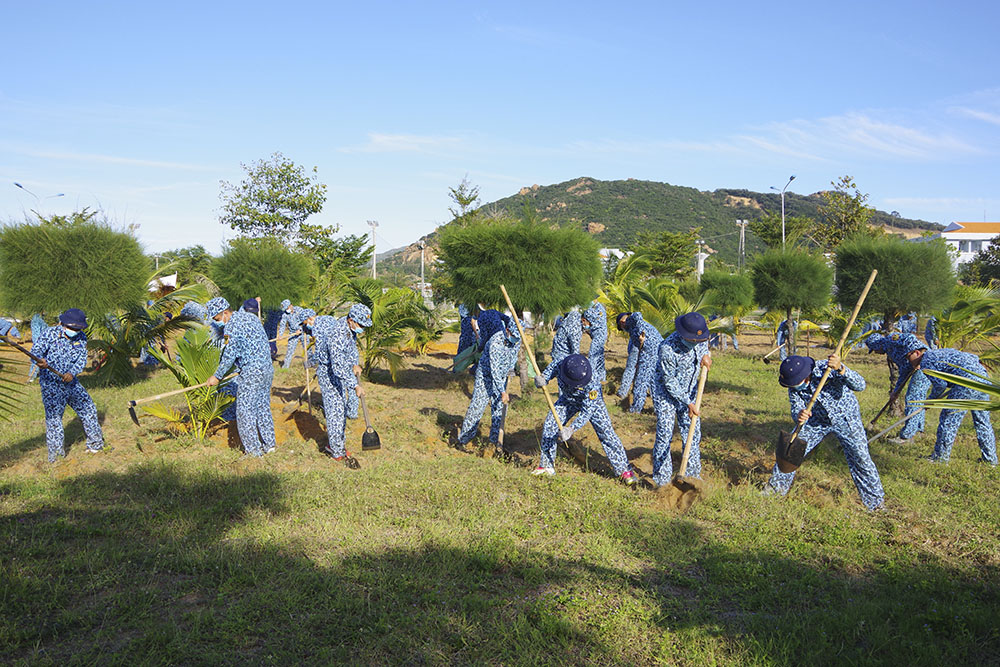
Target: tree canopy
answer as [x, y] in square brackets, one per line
[74, 261]
[728, 291]
[274, 199]
[545, 270]
[845, 213]
[667, 254]
[250, 268]
[911, 276]
[797, 230]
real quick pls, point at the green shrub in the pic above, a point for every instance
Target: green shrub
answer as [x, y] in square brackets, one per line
[250, 268]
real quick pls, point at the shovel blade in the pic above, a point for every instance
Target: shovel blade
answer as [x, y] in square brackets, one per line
[683, 492]
[789, 454]
[131, 413]
[370, 440]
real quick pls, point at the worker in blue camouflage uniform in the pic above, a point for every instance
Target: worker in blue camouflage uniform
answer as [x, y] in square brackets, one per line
[643, 351]
[931, 333]
[565, 342]
[581, 401]
[494, 366]
[63, 350]
[674, 389]
[38, 325]
[595, 324]
[907, 324]
[337, 370]
[246, 349]
[784, 337]
[967, 365]
[719, 340]
[289, 319]
[896, 346]
[490, 321]
[467, 328]
[836, 411]
[8, 329]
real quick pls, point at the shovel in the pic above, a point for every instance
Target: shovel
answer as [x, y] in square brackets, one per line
[531, 358]
[150, 399]
[900, 421]
[765, 357]
[790, 451]
[683, 491]
[369, 439]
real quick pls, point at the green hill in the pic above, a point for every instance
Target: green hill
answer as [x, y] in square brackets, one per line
[616, 211]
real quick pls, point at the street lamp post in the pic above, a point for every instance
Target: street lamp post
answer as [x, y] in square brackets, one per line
[790, 179]
[373, 224]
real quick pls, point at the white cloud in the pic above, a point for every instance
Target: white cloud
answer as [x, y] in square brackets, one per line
[116, 159]
[403, 143]
[985, 116]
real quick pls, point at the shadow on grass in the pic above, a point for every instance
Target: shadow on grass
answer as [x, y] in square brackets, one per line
[73, 436]
[158, 565]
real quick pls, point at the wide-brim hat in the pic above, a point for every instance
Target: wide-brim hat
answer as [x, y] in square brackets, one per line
[794, 370]
[691, 326]
[575, 371]
[251, 306]
[74, 318]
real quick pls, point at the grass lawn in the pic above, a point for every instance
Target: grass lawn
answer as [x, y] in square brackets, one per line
[170, 550]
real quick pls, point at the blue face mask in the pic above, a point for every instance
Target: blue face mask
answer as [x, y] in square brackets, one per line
[308, 329]
[689, 344]
[70, 333]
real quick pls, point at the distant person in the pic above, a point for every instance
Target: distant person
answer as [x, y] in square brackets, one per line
[38, 325]
[784, 338]
[931, 333]
[63, 350]
[566, 341]
[289, 320]
[897, 347]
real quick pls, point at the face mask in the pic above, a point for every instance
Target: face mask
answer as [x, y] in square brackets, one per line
[689, 344]
[586, 328]
[308, 329]
[71, 333]
[512, 341]
[800, 386]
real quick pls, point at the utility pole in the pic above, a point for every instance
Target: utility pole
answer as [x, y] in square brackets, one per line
[423, 293]
[700, 258]
[373, 224]
[742, 252]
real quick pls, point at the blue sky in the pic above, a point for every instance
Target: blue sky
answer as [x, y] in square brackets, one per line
[141, 109]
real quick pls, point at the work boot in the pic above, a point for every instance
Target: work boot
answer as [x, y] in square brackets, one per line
[541, 470]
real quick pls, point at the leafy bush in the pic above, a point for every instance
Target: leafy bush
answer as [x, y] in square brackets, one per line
[788, 280]
[264, 267]
[911, 276]
[545, 270]
[75, 262]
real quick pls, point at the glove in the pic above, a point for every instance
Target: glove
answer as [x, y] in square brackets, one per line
[539, 381]
[566, 432]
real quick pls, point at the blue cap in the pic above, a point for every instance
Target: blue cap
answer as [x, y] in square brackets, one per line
[285, 304]
[305, 314]
[251, 306]
[574, 370]
[691, 326]
[794, 370]
[216, 306]
[74, 318]
[911, 343]
[361, 314]
[618, 321]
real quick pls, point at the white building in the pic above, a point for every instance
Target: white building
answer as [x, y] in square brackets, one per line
[968, 238]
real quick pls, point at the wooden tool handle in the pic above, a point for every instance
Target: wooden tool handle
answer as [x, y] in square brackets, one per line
[184, 390]
[690, 437]
[840, 345]
[531, 357]
[18, 347]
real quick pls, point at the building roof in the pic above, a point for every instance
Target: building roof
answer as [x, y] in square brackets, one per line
[973, 228]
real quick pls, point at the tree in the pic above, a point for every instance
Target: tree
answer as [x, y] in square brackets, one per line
[730, 293]
[914, 277]
[465, 197]
[667, 253]
[546, 271]
[250, 268]
[190, 262]
[74, 262]
[348, 253]
[275, 199]
[798, 230]
[788, 280]
[844, 213]
[985, 266]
